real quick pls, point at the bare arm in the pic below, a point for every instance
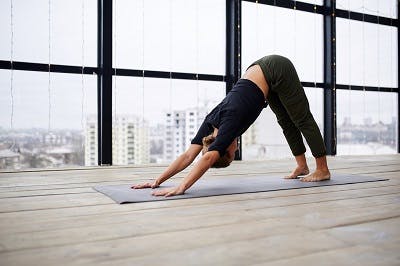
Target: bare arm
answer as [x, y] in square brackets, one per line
[183, 161]
[198, 170]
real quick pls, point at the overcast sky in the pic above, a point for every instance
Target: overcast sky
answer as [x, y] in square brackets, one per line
[183, 36]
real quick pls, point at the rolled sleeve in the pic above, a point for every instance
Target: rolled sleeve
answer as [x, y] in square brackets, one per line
[227, 133]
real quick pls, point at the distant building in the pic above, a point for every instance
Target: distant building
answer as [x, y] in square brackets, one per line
[9, 160]
[181, 127]
[157, 139]
[130, 141]
[91, 141]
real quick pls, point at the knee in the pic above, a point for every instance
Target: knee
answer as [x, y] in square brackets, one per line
[304, 121]
[286, 124]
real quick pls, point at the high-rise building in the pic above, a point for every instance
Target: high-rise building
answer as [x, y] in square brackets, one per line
[130, 141]
[181, 127]
[91, 141]
[157, 139]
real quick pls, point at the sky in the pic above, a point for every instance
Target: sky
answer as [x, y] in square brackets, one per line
[182, 36]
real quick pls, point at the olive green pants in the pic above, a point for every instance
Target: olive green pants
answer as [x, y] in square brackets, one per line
[288, 101]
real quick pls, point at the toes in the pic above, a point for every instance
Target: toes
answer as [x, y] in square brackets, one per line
[313, 178]
[309, 179]
[288, 177]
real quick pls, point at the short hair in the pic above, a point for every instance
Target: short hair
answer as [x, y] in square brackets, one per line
[223, 161]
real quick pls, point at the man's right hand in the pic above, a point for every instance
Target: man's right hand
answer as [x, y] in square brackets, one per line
[146, 185]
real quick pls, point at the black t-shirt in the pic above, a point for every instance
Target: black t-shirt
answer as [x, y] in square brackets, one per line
[233, 116]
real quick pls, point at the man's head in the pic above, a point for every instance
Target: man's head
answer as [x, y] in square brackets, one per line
[225, 160]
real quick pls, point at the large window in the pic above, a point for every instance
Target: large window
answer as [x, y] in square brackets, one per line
[164, 114]
[43, 116]
[155, 119]
[387, 8]
[64, 32]
[171, 61]
[296, 35]
[43, 120]
[366, 54]
[367, 121]
[175, 35]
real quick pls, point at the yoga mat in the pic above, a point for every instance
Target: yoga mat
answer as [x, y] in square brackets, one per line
[226, 186]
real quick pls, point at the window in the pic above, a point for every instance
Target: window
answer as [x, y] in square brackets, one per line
[154, 102]
[387, 8]
[68, 115]
[265, 140]
[297, 35]
[31, 18]
[366, 54]
[366, 122]
[179, 35]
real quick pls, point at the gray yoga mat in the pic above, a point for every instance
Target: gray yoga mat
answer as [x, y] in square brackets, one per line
[226, 186]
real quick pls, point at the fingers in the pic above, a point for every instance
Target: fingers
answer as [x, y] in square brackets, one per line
[169, 194]
[162, 192]
[139, 186]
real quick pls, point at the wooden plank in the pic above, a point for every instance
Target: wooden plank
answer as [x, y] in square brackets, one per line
[376, 233]
[353, 255]
[156, 221]
[46, 229]
[87, 187]
[104, 174]
[70, 217]
[53, 201]
[205, 205]
[219, 239]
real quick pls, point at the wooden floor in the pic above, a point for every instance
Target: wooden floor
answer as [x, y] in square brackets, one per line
[55, 218]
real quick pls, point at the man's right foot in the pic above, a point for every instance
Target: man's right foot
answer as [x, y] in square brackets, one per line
[299, 171]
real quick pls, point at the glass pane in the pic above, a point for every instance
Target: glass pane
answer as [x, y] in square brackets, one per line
[366, 122]
[5, 30]
[295, 34]
[39, 139]
[265, 140]
[315, 2]
[387, 8]
[366, 54]
[179, 35]
[31, 26]
[144, 123]
[68, 45]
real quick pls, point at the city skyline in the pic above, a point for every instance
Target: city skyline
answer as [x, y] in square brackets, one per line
[137, 142]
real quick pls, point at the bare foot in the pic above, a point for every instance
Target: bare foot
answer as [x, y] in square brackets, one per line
[297, 172]
[318, 175]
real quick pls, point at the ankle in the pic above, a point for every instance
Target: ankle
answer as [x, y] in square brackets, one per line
[322, 169]
[305, 166]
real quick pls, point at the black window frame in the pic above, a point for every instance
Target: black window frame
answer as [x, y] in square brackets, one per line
[105, 71]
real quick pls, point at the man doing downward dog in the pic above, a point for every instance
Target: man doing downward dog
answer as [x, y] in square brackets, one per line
[271, 80]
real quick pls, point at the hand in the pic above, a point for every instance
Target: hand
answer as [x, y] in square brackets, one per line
[146, 185]
[167, 192]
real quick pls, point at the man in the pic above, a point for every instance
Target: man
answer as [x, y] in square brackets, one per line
[270, 80]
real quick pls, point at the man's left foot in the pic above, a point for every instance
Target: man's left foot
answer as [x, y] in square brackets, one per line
[318, 175]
